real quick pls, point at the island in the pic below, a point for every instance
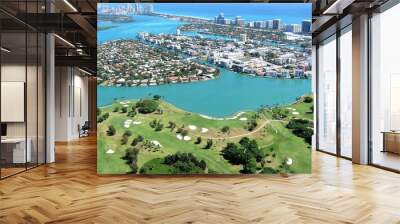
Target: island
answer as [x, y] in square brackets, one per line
[246, 57]
[115, 18]
[151, 136]
[100, 28]
[132, 63]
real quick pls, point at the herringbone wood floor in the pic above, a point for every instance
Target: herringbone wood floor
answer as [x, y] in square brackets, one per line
[69, 191]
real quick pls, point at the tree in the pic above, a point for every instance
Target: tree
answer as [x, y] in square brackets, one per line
[269, 170]
[171, 125]
[132, 113]
[156, 124]
[131, 157]
[184, 132]
[159, 126]
[156, 97]
[250, 165]
[127, 133]
[137, 140]
[147, 106]
[100, 119]
[124, 110]
[301, 128]
[98, 111]
[198, 140]
[251, 146]
[233, 153]
[298, 123]
[116, 109]
[124, 140]
[279, 113]
[106, 115]
[159, 111]
[305, 133]
[225, 129]
[111, 130]
[153, 123]
[209, 144]
[308, 99]
[251, 124]
[202, 165]
[185, 163]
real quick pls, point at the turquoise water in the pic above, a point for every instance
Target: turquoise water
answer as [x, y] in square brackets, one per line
[248, 11]
[222, 97]
[148, 24]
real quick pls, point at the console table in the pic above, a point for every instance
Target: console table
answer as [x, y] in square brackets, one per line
[391, 141]
[13, 150]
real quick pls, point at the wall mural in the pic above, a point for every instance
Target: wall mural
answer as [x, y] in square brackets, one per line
[211, 88]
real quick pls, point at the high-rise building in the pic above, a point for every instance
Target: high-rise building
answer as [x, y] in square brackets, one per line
[306, 26]
[151, 8]
[243, 37]
[295, 28]
[137, 8]
[289, 28]
[259, 24]
[268, 24]
[220, 19]
[239, 21]
[276, 24]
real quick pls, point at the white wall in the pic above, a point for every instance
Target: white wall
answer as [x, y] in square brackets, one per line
[12, 73]
[71, 102]
[33, 126]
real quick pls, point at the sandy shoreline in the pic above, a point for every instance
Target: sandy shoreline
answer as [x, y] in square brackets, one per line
[222, 119]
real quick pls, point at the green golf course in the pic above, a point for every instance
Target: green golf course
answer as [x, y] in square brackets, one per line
[151, 136]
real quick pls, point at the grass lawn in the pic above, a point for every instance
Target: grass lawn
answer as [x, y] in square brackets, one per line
[273, 135]
[304, 110]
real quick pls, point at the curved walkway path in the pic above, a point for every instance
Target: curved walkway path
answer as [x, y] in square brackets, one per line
[240, 135]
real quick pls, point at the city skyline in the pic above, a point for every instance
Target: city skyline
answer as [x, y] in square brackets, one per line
[206, 11]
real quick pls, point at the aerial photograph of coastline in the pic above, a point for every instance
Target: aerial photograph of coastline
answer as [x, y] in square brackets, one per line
[204, 88]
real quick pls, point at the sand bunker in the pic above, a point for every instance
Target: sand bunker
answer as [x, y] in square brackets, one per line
[156, 143]
[185, 138]
[192, 127]
[127, 123]
[243, 118]
[110, 151]
[204, 130]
